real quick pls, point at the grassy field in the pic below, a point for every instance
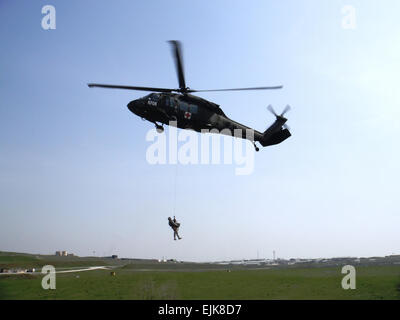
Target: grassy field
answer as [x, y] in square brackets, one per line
[317, 283]
[373, 282]
[16, 260]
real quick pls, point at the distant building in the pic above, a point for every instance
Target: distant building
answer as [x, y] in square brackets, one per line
[63, 253]
[19, 270]
[114, 256]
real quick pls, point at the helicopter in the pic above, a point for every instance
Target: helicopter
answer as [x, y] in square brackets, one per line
[186, 111]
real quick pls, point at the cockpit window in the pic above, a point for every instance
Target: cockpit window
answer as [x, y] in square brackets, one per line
[154, 97]
[169, 101]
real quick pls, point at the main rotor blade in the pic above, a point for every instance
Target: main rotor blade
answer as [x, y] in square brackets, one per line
[111, 86]
[238, 89]
[177, 53]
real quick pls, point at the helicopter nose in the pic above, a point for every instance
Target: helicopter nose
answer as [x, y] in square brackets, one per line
[133, 106]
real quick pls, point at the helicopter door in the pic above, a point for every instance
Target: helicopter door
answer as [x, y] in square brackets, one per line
[172, 106]
[184, 108]
[193, 110]
[189, 111]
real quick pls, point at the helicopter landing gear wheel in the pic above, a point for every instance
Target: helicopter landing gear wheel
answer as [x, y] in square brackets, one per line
[255, 147]
[160, 129]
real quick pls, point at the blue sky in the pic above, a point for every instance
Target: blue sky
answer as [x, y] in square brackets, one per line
[73, 172]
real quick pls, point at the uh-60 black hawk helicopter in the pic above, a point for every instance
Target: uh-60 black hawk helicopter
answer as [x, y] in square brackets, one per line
[195, 113]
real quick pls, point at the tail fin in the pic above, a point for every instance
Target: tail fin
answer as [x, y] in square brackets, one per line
[275, 138]
[278, 131]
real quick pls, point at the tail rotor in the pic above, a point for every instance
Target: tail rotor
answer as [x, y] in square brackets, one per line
[281, 116]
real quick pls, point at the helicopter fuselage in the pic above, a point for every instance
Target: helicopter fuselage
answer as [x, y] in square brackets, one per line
[189, 112]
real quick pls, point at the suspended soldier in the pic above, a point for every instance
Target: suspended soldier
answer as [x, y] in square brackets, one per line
[175, 226]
